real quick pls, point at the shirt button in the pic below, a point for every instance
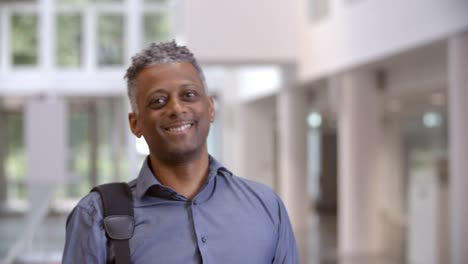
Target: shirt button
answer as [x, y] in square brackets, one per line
[195, 202]
[203, 239]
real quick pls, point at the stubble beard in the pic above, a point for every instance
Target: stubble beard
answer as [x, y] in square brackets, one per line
[179, 157]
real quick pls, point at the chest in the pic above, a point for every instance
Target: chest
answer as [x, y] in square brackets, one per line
[211, 232]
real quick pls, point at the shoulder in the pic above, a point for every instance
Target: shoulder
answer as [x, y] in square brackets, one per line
[92, 205]
[85, 240]
[261, 192]
[261, 197]
[89, 209]
[259, 188]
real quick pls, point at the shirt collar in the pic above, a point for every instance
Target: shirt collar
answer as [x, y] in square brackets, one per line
[146, 178]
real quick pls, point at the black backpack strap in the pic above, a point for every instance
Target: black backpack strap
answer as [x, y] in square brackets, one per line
[119, 222]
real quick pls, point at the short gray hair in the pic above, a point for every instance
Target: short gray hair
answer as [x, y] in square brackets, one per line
[154, 54]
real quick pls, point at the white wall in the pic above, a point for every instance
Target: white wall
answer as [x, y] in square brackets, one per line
[367, 30]
[242, 30]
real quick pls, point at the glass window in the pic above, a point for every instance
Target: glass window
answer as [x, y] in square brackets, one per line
[110, 49]
[353, 1]
[68, 46]
[155, 1]
[259, 79]
[72, 1]
[17, 1]
[79, 165]
[24, 39]
[86, 1]
[97, 155]
[156, 28]
[15, 162]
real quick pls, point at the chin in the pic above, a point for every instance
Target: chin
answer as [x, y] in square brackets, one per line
[177, 156]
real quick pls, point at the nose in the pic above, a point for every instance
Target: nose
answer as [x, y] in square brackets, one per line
[175, 107]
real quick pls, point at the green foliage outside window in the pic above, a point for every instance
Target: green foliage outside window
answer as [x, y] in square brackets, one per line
[24, 39]
[68, 40]
[81, 129]
[110, 40]
[155, 1]
[156, 28]
[15, 163]
[78, 124]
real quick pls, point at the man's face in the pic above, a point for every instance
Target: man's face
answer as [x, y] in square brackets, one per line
[174, 112]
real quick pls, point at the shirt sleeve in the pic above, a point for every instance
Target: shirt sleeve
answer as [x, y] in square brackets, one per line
[286, 249]
[85, 240]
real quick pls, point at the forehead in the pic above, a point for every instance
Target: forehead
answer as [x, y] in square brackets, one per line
[166, 72]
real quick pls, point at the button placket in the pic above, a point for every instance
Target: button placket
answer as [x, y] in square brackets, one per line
[201, 239]
[194, 212]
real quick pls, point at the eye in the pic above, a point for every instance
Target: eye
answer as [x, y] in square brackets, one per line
[190, 94]
[158, 102]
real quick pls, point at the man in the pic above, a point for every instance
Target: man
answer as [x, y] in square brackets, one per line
[188, 207]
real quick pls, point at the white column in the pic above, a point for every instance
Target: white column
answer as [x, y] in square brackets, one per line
[259, 128]
[5, 37]
[392, 167]
[458, 145]
[134, 27]
[3, 153]
[233, 124]
[358, 142]
[131, 140]
[133, 40]
[46, 32]
[292, 156]
[119, 127]
[46, 146]
[90, 40]
[393, 178]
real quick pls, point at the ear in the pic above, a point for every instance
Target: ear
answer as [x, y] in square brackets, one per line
[134, 124]
[211, 109]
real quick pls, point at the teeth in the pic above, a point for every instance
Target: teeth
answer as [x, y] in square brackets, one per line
[179, 129]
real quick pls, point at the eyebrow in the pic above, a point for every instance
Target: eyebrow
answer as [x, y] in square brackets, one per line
[164, 91]
[159, 90]
[190, 85]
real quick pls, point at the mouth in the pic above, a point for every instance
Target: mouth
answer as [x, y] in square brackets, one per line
[179, 128]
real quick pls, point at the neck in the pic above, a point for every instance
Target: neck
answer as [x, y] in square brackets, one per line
[186, 178]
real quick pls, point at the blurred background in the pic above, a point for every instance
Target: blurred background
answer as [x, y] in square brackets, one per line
[352, 110]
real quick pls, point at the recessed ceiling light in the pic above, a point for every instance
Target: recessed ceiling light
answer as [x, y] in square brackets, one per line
[314, 120]
[432, 119]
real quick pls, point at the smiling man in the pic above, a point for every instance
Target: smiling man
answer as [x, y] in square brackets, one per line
[188, 208]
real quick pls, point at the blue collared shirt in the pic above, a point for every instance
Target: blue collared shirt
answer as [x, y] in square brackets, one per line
[231, 220]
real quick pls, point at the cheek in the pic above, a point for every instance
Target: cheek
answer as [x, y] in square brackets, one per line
[150, 125]
[206, 117]
[206, 123]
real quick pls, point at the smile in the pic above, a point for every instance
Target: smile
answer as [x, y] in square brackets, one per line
[178, 129]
